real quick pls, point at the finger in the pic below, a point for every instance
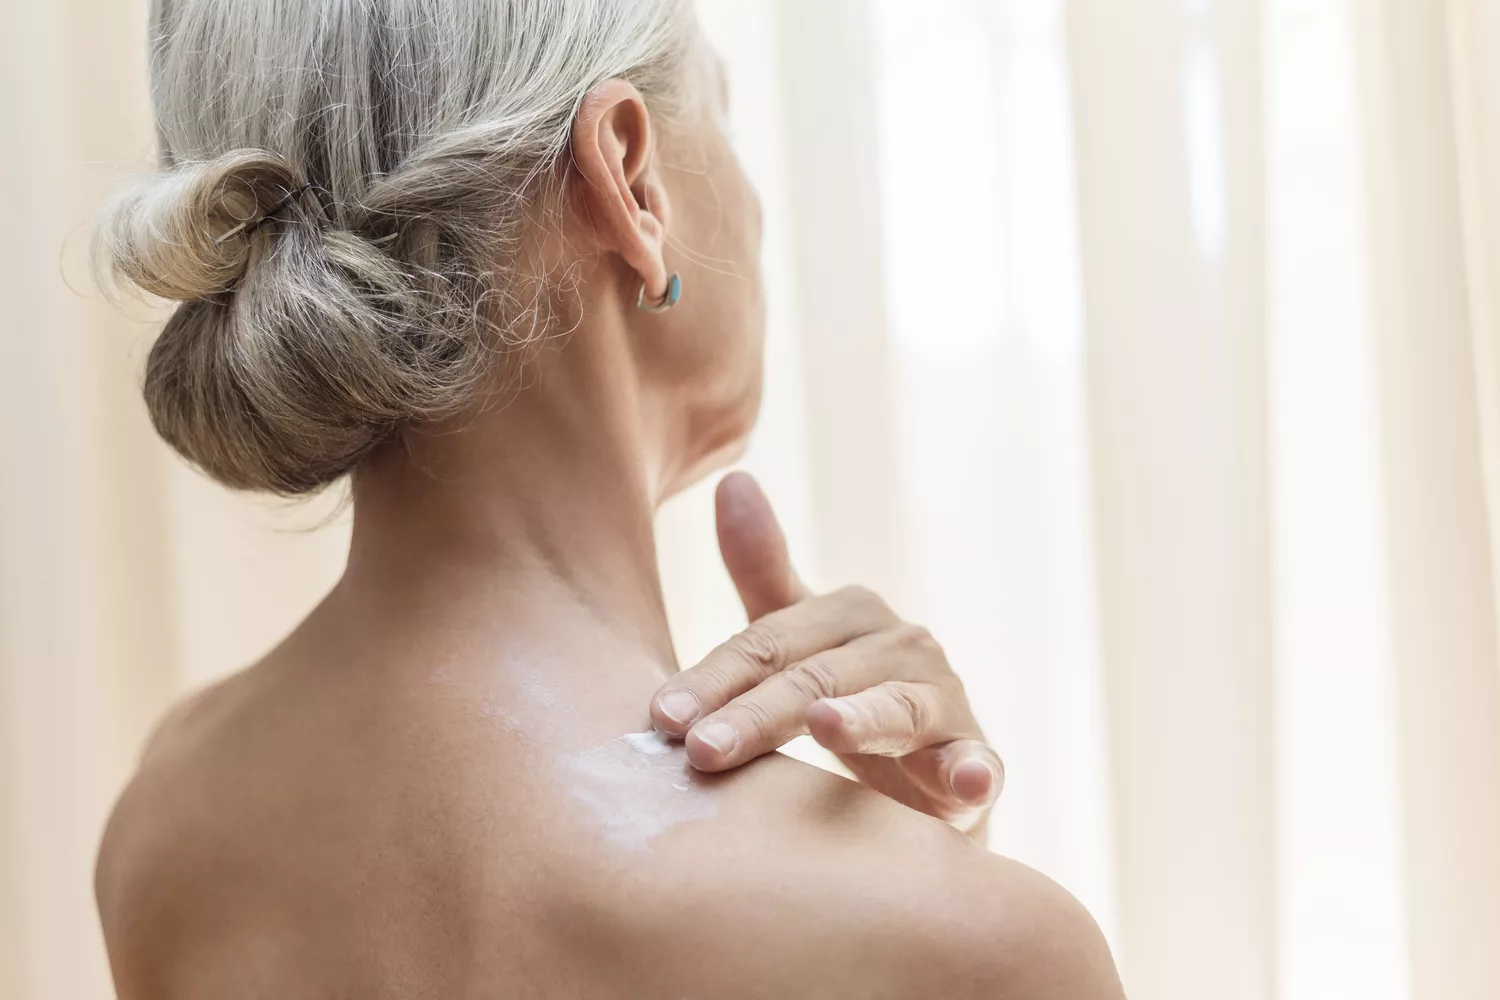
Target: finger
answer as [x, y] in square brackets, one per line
[767, 647]
[891, 719]
[754, 547]
[965, 774]
[775, 711]
[976, 775]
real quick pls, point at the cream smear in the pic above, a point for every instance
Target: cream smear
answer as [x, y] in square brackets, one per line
[636, 788]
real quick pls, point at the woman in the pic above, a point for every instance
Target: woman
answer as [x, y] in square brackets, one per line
[495, 261]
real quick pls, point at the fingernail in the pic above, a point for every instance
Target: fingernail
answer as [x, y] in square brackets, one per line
[976, 774]
[720, 736]
[680, 706]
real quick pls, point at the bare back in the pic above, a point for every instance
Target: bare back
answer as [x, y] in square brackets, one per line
[370, 827]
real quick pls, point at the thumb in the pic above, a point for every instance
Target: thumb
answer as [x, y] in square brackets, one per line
[753, 547]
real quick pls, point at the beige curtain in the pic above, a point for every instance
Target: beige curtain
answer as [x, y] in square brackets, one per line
[124, 579]
[1147, 350]
[1429, 291]
[1171, 199]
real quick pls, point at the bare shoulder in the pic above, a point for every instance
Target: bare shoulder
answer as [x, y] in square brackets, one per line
[147, 858]
[838, 892]
[169, 764]
[272, 825]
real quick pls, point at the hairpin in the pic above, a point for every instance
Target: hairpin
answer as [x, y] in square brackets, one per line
[253, 224]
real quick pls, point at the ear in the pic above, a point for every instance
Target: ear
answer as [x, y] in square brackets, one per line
[620, 186]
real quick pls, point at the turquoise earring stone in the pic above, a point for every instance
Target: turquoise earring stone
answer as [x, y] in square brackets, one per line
[671, 298]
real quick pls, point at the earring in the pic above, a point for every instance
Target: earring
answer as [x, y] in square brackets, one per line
[670, 299]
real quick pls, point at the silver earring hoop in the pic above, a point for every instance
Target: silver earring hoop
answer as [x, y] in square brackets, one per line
[670, 299]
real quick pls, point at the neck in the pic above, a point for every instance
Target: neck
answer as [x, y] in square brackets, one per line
[536, 514]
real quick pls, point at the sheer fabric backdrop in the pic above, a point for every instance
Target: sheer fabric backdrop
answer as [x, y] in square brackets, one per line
[1147, 351]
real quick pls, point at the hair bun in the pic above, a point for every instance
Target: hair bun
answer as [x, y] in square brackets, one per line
[328, 343]
[190, 233]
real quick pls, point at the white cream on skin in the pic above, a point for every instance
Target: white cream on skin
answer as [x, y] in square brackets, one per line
[636, 787]
[633, 788]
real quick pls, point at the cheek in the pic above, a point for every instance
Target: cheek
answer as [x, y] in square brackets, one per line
[744, 306]
[718, 252]
[751, 222]
[741, 217]
[728, 268]
[747, 229]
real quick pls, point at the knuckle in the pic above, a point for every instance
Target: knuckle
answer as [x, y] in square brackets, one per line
[711, 682]
[759, 723]
[867, 604]
[760, 647]
[918, 643]
[912, 706]
[857, 593]
[917, 639]
[861, 596]
[813, 678]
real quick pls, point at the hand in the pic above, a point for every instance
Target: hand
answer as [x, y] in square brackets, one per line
[875, 690]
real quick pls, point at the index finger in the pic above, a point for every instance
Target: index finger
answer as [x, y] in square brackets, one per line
[754, 547]
[768, 646]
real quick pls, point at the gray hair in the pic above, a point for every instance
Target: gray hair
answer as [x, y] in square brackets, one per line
[342, 208]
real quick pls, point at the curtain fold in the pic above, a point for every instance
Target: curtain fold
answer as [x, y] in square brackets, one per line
[85, 651]
[1437, 530]
[125, 579]
[1339, 897]
[1473, 39]
[1167, 119]
[826, 71]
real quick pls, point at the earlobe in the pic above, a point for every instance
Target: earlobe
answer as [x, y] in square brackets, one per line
[617, 180]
